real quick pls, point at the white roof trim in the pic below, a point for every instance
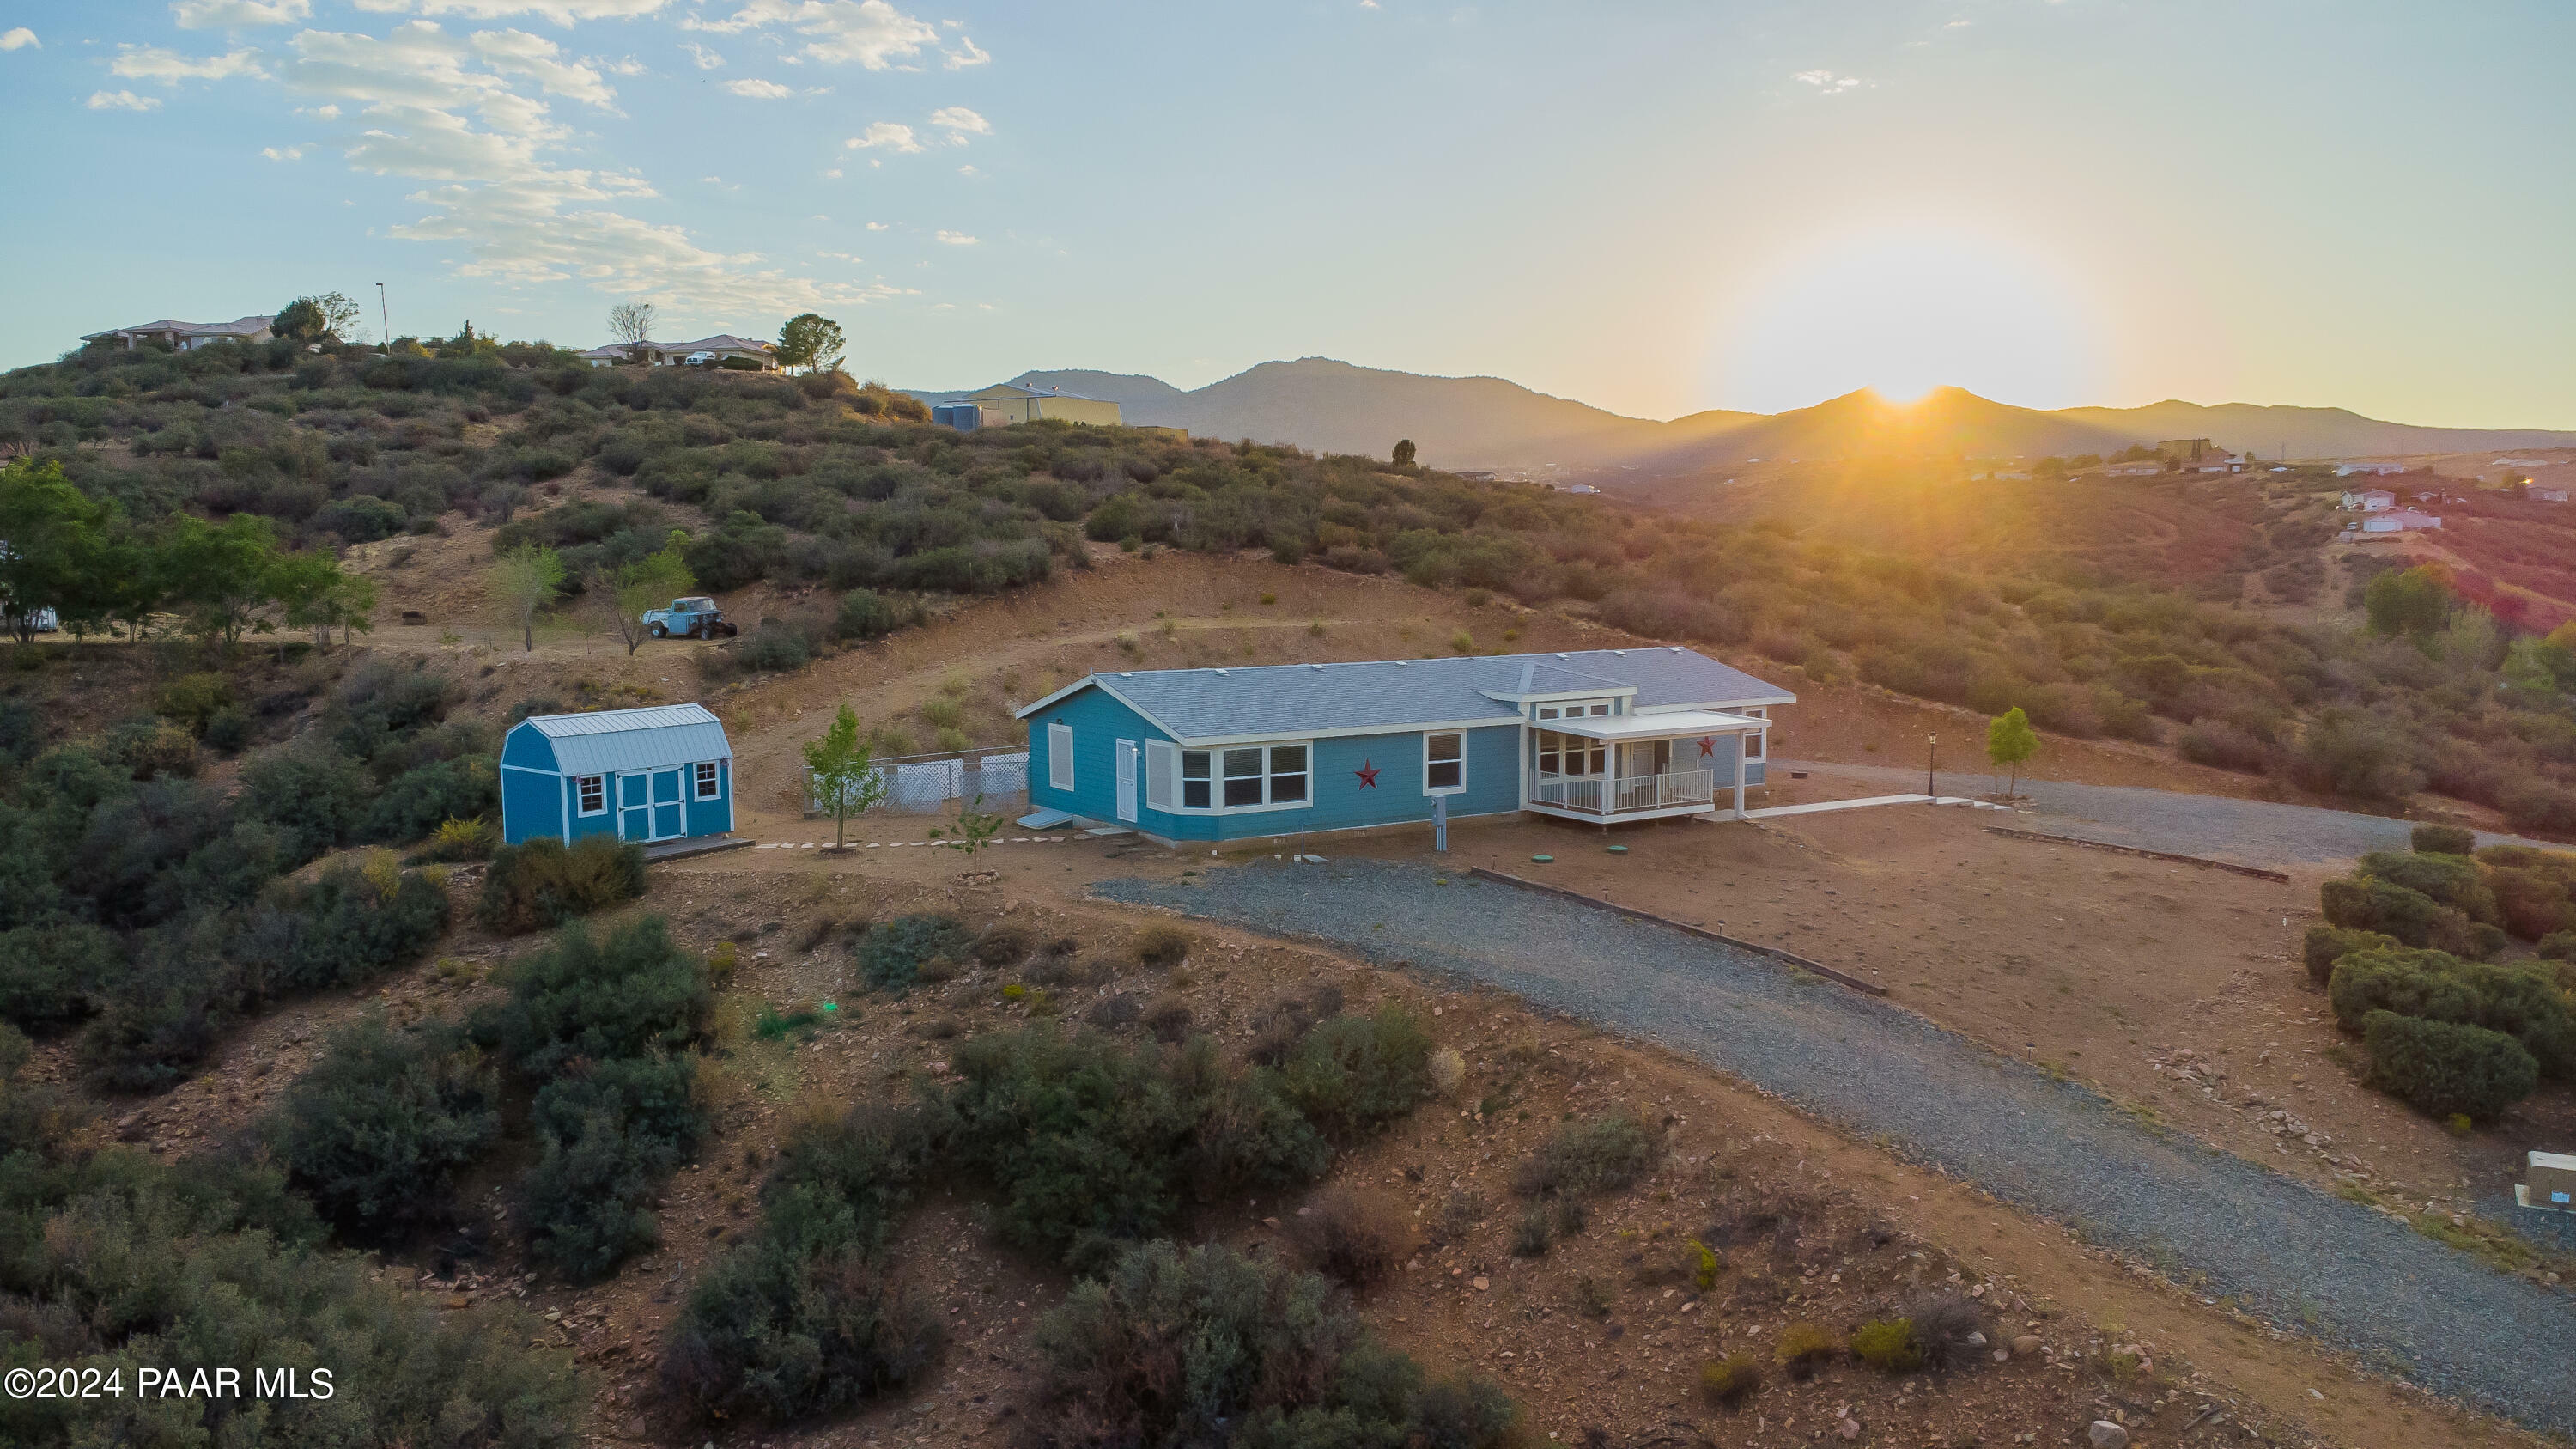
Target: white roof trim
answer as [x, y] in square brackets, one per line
[1435, 727]
[1673, 724]
[1607, 691]
[1717, 704]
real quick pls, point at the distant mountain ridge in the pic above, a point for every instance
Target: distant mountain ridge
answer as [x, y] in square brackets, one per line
[1325, 405]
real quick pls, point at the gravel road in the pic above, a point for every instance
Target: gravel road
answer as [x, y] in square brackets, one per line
[2303, 1259]
[2249, 832]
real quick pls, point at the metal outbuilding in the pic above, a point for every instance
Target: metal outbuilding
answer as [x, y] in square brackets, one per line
[664, 772]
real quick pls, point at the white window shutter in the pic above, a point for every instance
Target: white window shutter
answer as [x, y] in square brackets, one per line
[1059, 757]
[1162, 774]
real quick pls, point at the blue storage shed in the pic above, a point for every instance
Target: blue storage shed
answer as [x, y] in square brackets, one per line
[1597, 735]
[660, 773]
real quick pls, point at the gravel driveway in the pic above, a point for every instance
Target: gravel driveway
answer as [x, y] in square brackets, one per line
[2250, 832]
[2303, 1259]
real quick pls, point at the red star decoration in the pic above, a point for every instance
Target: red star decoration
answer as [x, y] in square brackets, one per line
[1707, 747]
[1368, 775]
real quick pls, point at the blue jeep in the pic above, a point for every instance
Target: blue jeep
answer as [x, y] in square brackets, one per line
[692, 618]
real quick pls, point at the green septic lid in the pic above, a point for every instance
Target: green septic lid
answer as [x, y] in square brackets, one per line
[831, 1006]
[1618, 850]
[1544, 859]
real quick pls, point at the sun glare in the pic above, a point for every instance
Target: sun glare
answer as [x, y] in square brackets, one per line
[1902, 310]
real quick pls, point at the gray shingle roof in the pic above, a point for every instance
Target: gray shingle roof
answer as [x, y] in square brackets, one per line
[1318, 699]
[653, 738]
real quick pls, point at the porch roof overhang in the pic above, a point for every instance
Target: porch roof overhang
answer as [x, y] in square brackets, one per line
[1678, 724]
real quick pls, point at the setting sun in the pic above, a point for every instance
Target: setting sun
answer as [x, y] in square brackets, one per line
[1901, 310]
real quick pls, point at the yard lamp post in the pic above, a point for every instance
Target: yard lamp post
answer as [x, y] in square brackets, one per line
[384, 314]
[1931, 752]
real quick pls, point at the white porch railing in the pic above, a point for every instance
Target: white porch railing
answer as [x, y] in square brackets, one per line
[1607, 796]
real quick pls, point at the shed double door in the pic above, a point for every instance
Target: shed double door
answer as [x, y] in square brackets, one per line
[648, 806]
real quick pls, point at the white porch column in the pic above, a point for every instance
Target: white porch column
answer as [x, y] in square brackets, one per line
[1739, 777]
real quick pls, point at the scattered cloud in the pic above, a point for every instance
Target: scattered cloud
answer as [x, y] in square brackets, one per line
[1827, 81]
[282, 153]
[885, 135]
[834, 173]
[876, 226]
[17, 37]
[121, 101]
[706, 59]
[958, 239]
[238, 14]
[968, 171]
[843, 257]
[517, 53]
[759, 90]
[967, 53]
[627, 66]
[870, 33]
[959, 122]
[150, 62]
[565, 13]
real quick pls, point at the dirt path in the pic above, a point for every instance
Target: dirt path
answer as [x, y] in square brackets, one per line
[2291, 1254]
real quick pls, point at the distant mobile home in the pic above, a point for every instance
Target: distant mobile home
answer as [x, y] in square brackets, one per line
[1597, 735]
[1005, 403]
[645, 775]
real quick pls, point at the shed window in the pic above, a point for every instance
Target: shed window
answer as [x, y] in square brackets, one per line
[594, 794]
[1059, 757]
[1444, 764]
[707, 780]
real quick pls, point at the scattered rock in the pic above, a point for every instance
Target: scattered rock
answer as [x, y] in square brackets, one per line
[2026, 1345]
[2107, 1435]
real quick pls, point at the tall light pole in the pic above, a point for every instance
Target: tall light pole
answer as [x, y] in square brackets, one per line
[386, 316]
[1931, 752]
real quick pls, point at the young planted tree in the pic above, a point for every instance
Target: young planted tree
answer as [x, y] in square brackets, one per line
[2010, 741]
[650, 582]
[524, 582]
[1404, 452]
[845, 778]
[631, 322]
[319, 595]
[810, 342]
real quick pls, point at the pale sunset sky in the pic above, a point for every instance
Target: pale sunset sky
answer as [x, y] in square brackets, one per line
[1652, 208]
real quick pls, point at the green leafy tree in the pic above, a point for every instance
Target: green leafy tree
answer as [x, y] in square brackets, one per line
[650, 582]
[1404, 453]
[844, 780]
[331, 316]
[524, 582]
[2010, 741]
[2414, 602]
[811, 342]
[49, 531]
[319, 595]
[219, 575]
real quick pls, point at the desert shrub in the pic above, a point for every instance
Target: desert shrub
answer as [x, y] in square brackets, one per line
[310, 793]
[1161, 946]
[1888, 1345]
[2442, 840]
[1731, 1380]
[662, 1098]
[1608, 1153]
[462, 840]
[1168, 1348]
[1003, 946]
[2488, 942]
[47, 973]
[583, 1206]
[1353, 1073]
[1803, 1348]
[2521, 1002]
[542, 883]
[892, 953]
[2453, 880]
[2441, 1067]
[2225, 745]
[1535, 1234]
[376, 1130]
[865, 614]
[416, 801]
[2556, 946]
[1448, 1071]
[1351, 1237]
[1947, 1330]
[2530, 904]
[2346, 752]
[353, 923]
[1169, 1018]
[630, 994]
[2324, 945]
[2368, 903]
[227, 731]
[773, 651]
[1090, 1143]
[193, 699]
[1115, 1013]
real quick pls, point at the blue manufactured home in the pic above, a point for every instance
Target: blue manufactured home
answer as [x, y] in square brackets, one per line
[662, 773]
[1598, 735]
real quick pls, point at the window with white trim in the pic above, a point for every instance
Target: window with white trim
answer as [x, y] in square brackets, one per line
[1162, 769]
[1444, 763]
[1563, 754]
[1246, 777]
[708, 781]
[1059, 757]
[1752, 746]
[594, 794]
[1196, 792]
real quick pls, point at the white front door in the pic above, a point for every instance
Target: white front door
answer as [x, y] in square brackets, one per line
[1127, 781]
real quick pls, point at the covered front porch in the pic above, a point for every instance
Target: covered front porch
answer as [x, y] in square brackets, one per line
[1611, 768]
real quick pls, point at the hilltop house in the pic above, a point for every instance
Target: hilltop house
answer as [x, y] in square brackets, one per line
[2375, 470]
[668, 354]
[1005, 403]
[659, 773]
[2370, 500]
[187, 336]
[2398, 520]
[2545, 495]
[1597, 735]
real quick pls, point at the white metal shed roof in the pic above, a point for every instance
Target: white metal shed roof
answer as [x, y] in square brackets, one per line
[653, 738]
[1672, 723]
